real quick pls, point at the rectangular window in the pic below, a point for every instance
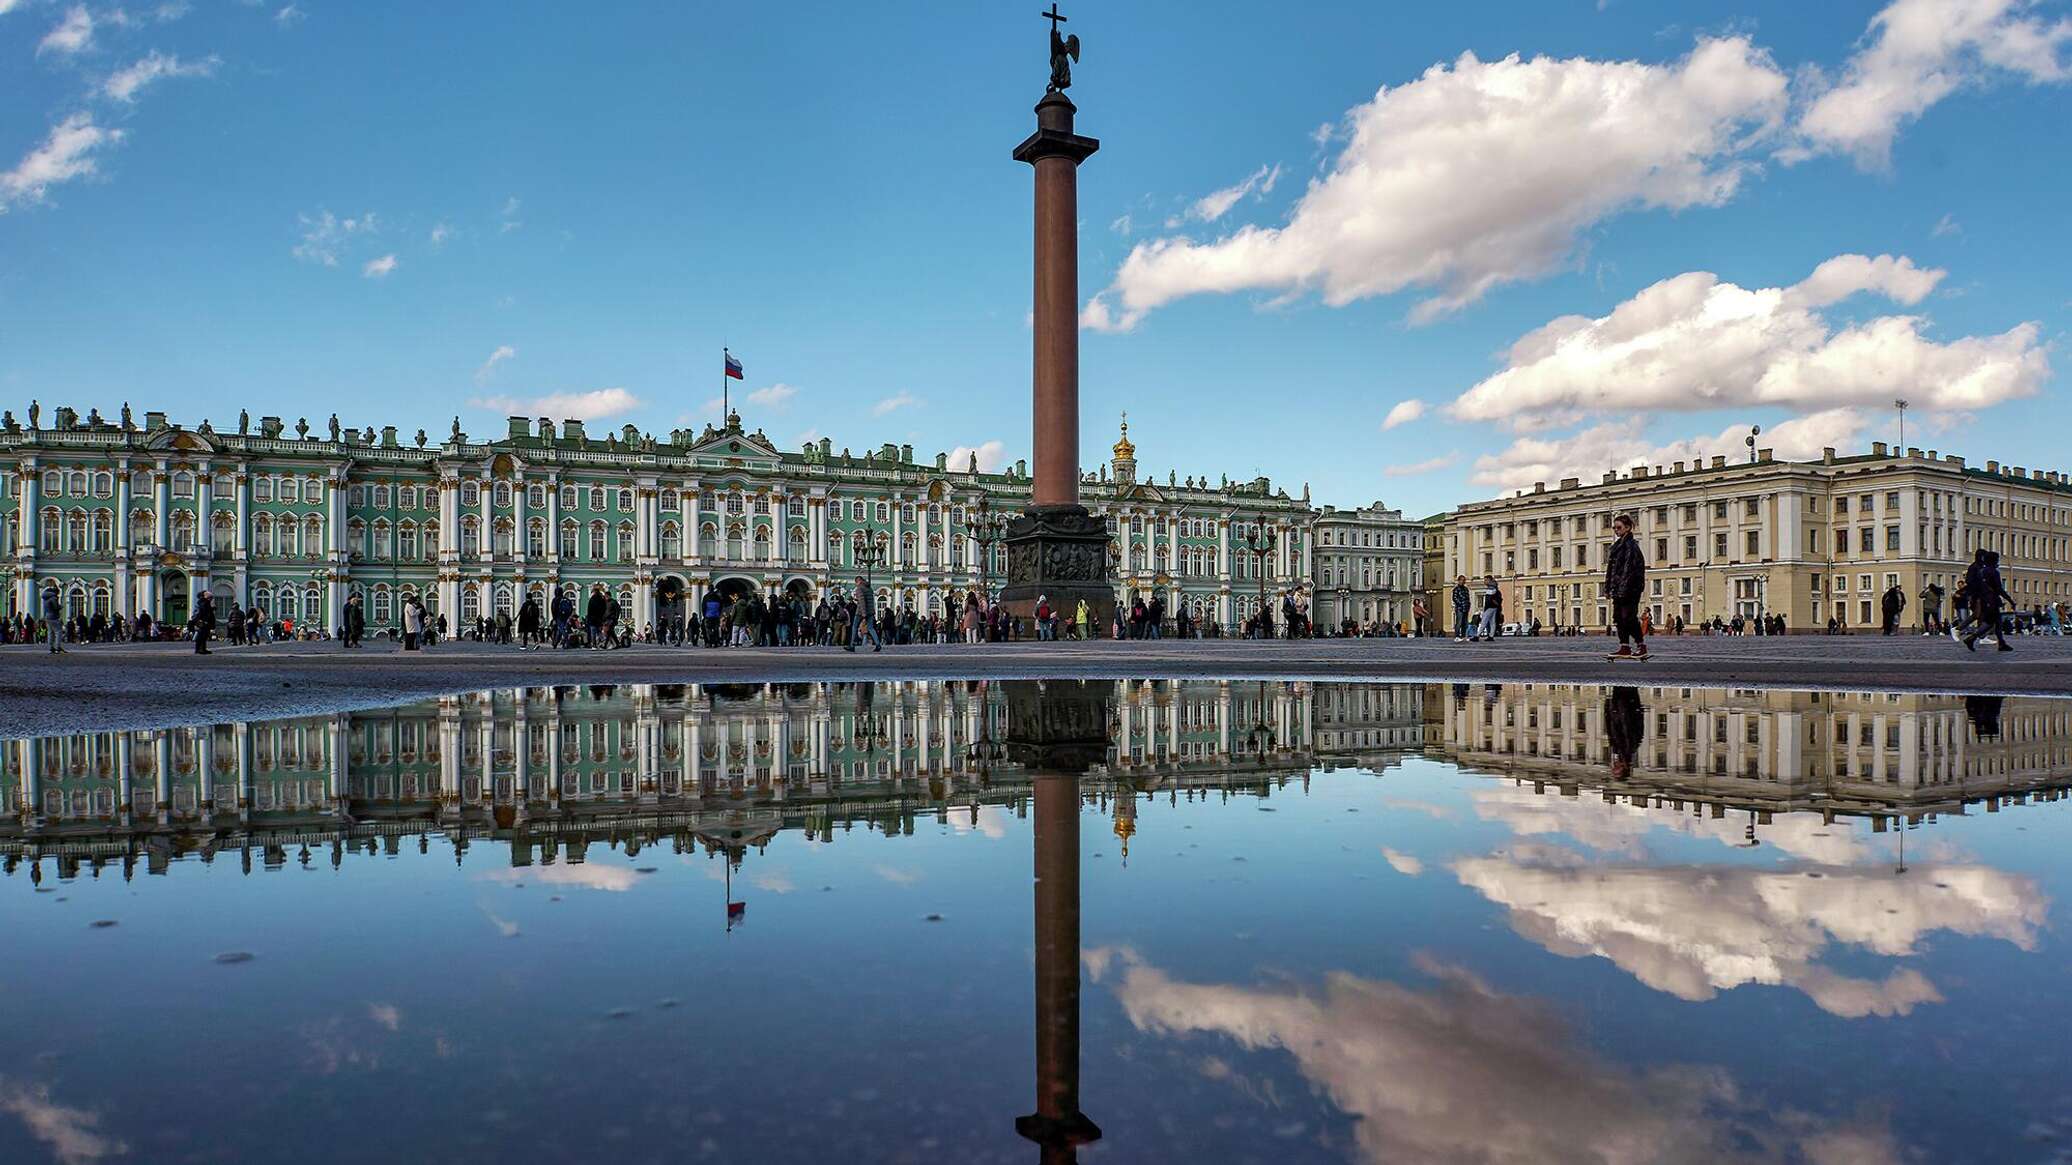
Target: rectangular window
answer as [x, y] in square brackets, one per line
[1719, 544]
[1754, 544]
[1841, 542]
[1892, 538]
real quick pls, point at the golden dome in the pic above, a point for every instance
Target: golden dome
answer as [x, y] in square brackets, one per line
[1124, 451]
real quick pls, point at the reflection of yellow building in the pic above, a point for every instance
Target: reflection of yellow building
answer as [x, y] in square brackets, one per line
[1837, 753]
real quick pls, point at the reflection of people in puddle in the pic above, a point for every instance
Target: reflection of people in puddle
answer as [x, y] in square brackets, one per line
[1624, 725]
[1984, 712]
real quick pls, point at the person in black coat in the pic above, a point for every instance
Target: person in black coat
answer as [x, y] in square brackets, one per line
[1987, 597]
[1625, 724]
[204, 623]
[1625, 577]
[355, 621]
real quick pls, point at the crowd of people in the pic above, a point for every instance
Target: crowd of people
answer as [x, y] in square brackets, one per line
[1981, 608]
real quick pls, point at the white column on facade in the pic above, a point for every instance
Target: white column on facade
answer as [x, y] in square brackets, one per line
[553, 520]
[205, 765]
[161, 503]
[518, 520]
[687, 519]
[204, 501]
[449, 550]
[485, 545]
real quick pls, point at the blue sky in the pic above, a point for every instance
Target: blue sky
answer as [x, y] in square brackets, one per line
[1601, 251]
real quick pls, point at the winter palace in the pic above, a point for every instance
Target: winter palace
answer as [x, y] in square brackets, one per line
[123, 516]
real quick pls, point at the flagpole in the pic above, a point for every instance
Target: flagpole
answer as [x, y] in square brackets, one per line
[725, 389]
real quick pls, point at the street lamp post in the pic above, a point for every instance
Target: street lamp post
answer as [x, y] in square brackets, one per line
[1260, 547]
[1345, 602]
[988, 529]
[870, 554]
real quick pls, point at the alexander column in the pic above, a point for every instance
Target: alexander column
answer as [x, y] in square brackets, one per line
[1057, 549]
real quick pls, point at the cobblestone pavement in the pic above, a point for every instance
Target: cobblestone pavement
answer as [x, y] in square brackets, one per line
[139, 685]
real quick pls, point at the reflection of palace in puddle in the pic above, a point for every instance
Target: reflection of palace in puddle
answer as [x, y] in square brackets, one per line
[552, 770]
[1839, 754]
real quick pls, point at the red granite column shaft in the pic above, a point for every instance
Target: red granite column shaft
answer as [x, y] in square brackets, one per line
[1056, 370]
[1057, 948]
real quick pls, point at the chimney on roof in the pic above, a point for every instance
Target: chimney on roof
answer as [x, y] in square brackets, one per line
[1679, 466]
[1719, 462]
[572, 430]
[1571, 482]
[1827, 455]
[1956, 461]
[1934, 456]
[1611, 476]
[518, 427]
[1877, 448]
[1539, 487]
[1992, 467]
[1640, 472]
[1762, 454]
[1913, 452]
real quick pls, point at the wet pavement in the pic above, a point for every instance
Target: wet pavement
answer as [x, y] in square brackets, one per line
[142, 685]
[1239, 920]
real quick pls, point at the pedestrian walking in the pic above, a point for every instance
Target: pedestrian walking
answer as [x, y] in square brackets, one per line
[1894, 602]
[1461, 599]
[1988, 596]
[1625, 577]
[1492, 609]
[203, 623]
[53, 624]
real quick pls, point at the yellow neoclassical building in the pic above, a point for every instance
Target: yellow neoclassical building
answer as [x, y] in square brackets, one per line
[1808, 540]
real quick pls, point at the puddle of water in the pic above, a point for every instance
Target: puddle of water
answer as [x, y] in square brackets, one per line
[1018, 921]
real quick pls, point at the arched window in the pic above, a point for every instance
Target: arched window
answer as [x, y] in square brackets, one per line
[470, 536]
[500, 535]
[262, 596]
[183, 484]
[503, 494]
[313, 604]
[735, 533]
[797, 542]
[75, 483]
[262, 536]
[906, 548]
[431, 539]
[626, 500]
[104, 531]
[287, 534]
[291, 490]
[625, 542]
[536, 538]
[384, 607]
[470, 605]
[504, 603]
[313, 535]
[536, 496]
[101, 600]
[406, 540]
[597, 498]
[221, 528]
[470, 494]
[568, 538]
[183, 531]
[935, 550]
[53, 484]
[262, 489]
[672, 541]
[597, 549]
[75, 531]
[568, 497]
[669, 501]
[104, 484]
[708, 540]
[355, 538]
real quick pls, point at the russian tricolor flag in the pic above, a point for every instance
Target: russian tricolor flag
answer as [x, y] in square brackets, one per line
[733, 365]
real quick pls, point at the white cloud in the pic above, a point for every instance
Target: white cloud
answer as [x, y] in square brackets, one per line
[899, 400]
[440, 233]
[172, 10]
[67, 153]
[587, 876]
[1216, 204]
[775, 397]
[508, 219]
[1619, 445]
[388, 1015]
[325, 235]
[1695, 342]
[1696, 930]
[576, 406]
[1460, 1071]
[1919, 52]
[1122, 225]
[1403, 863]
[73, 34]
[1404, 413]
[1946, 225]
[503, 352]
[1480, 173]
[378, 268]
[1428, 465]
[73, 1134]
[155, 66]
[992, 455]
[896, 875]
[7, 6]
[289, 16]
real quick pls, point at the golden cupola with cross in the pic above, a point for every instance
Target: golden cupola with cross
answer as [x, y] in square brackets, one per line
[1125, 456]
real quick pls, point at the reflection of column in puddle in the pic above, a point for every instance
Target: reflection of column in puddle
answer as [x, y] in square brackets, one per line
[1057, 730]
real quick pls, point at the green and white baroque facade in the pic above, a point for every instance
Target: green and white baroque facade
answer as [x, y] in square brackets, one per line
[124, 517]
